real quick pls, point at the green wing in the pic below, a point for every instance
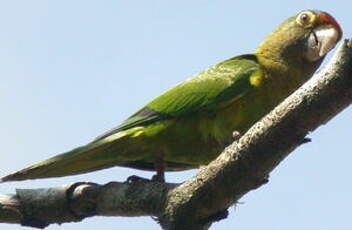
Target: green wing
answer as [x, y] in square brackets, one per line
[227, 80]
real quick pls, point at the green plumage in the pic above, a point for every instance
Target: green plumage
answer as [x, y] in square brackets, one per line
[189, 125]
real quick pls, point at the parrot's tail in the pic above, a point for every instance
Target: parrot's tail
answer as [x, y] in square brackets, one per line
[91, 157]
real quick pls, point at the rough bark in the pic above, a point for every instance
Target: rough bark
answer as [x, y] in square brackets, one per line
[195, 204]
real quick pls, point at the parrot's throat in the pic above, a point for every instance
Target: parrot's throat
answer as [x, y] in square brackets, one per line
[284, 57]
[283, 61]
[287, 76]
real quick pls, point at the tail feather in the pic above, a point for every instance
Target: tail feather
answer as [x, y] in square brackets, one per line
[91, 157]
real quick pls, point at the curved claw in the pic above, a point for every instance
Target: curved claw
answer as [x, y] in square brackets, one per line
[134, 179]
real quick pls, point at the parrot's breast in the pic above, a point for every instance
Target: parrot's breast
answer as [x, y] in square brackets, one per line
[241, 114]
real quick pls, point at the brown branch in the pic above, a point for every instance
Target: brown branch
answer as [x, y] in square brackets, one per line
[195, 204]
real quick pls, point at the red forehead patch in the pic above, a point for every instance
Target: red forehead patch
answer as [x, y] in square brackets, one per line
[325, 18]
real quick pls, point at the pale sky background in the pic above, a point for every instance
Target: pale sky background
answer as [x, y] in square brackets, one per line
[71, 70]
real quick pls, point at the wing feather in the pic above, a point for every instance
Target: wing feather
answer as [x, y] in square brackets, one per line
[228, 80]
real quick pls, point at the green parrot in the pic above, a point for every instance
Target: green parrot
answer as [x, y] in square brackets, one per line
[189, 125]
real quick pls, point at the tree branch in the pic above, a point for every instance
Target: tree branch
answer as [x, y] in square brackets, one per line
[195, 204]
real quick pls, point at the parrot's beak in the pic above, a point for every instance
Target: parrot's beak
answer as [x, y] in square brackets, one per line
[321, 40]
[324, 37]
[327, 37]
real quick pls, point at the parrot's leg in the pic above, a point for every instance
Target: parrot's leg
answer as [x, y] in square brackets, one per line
[159, 166]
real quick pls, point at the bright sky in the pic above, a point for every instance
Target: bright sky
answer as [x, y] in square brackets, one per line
[71, 70]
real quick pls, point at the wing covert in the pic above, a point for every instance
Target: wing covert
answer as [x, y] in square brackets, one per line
[227, 80]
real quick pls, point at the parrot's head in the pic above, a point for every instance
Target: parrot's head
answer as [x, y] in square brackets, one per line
[303, 38]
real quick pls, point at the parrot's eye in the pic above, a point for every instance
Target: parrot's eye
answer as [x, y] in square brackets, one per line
[305, 19]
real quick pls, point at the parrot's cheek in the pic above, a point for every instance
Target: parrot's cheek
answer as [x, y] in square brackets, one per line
[321, 40]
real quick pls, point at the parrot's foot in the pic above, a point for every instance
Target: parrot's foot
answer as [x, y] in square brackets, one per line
[236, 136]
[135, 179]
[220, 215]
[158, 177]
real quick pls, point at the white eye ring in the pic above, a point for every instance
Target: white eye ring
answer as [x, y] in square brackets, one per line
[305, 18]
